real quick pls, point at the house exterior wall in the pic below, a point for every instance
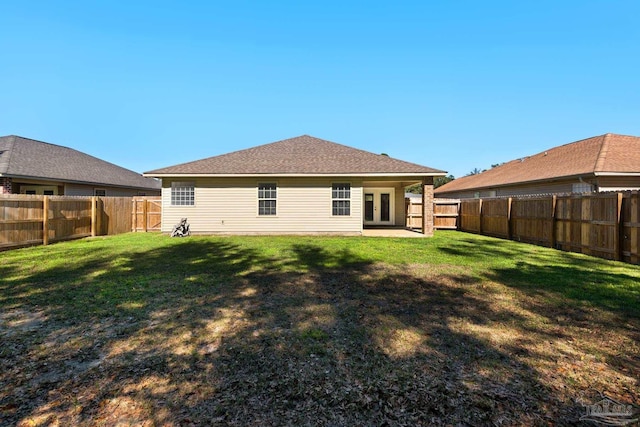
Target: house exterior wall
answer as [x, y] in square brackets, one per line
[230, 206]
[400, 214]
[19, 185]
[601, 183]
[618, 183]
[513, 190]
[88, 190]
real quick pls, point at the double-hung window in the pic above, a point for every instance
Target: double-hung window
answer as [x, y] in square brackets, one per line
[183, 193]
[341, 199]
[267, 199]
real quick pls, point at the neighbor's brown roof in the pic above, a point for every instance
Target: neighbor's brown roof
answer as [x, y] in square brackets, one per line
[28, 158]
[301, 155]
[609, 153]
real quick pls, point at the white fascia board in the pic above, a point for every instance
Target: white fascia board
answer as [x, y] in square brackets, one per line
[291, 175]
[617, 173]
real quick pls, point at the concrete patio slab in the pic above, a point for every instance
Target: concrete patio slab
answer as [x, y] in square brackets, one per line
[392, 232]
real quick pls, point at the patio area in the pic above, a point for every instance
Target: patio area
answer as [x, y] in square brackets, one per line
[392, 232]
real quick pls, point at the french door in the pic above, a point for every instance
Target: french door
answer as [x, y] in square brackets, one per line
[378, 206]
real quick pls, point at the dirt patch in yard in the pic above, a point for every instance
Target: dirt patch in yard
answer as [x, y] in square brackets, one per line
[243, 340]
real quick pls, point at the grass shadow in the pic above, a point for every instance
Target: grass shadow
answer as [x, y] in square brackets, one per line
[244, 331]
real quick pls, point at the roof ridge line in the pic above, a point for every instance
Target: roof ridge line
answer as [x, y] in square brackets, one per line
[39, 141]
[602, 154]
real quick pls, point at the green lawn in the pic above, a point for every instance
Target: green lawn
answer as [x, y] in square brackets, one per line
[143, 329]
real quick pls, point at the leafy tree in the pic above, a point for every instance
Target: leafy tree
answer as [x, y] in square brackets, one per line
[437, 182]
[476, 171]
[442, 180]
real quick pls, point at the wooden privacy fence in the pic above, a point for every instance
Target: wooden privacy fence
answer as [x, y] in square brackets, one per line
[146, 214]
[445, 213]
[28, 220]
[604, 224]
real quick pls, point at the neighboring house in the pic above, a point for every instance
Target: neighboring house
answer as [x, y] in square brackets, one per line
[603, 163]
[34, 167]
[302, 185]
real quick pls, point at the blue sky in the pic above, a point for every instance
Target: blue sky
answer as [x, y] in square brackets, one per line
[453, 85]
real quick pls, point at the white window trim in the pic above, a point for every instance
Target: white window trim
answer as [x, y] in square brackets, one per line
[350, 199]
[39, 189]
[258, 184]
[182, 184]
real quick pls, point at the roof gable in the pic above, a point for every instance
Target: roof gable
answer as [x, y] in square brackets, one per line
[605, 153]
[301, 155]
[23, 157]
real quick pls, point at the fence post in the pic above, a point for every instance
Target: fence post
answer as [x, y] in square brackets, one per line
[45, 220]
[585, 228]
[509, 233]
[145, 220]
[554, 236]
[480, 216]
[634, 226]
[619, 236]
[134, 213]
[94, 216]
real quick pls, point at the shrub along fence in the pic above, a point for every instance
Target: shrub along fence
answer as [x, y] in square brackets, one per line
[604, 225]
[29, 220]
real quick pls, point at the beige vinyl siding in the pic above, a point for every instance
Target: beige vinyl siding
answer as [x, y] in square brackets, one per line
[230, 205]
[614, 183]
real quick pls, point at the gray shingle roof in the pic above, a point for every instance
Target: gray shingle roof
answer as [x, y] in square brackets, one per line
[303, 155]
[23, 157]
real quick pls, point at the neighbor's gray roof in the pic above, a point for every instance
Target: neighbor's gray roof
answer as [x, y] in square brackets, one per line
[304, 155]
[28, 158]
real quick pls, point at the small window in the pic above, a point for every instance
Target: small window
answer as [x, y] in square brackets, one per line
[100, 192]
[341, 199]
[267, 196]
[48, 192]
[182, 193]
[582, 187]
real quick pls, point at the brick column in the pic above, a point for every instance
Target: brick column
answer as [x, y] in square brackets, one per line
[427, 207]
[5, 185]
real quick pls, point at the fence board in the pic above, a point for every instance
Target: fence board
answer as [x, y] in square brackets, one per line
[630, 237]
[604, 225]
[470, 215]
[114, 217]
[445, 213]
[23, 221]
[20, 220]
[495, 217]
[146, 214]
[533, 220]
